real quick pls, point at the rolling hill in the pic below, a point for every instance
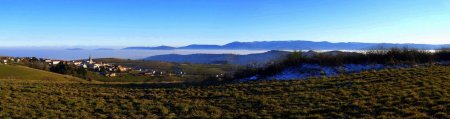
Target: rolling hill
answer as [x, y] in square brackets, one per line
[25, 74]
[394, 93]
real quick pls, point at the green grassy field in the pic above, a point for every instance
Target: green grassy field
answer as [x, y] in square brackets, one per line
[25, 74]
[399, 93]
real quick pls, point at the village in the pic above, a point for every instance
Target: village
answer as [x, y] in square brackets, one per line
[102, 68]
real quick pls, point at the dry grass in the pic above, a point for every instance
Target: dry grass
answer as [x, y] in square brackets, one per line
[399, 93]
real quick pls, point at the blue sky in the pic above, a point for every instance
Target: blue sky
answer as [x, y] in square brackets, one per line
[181, 22]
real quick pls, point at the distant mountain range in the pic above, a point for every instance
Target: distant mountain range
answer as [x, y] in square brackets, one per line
[295, 45]
[260, 58]
[151, 48]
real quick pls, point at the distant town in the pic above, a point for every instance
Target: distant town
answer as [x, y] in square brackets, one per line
[103, 68]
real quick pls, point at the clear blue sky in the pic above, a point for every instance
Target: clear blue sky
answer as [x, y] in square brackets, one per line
[181, 22]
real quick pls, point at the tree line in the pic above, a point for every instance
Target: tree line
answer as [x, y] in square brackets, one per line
[67, 69]
[61, 68]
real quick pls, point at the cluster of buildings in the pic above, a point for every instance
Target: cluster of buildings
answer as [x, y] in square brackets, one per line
[6, 60]
[105, 69]
[111, 70]
[90, 64]
[52, 62]
[87, 64]
[11, 60]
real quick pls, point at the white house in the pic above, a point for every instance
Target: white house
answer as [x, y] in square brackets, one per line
[18, 60]
[94, 66]
[77, 63]
[5, 61]
[111, 75]
[48, 61]
[84, 66]
[122, 68]
[56, 62]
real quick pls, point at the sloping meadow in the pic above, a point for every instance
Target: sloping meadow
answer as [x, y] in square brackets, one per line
[390, 93]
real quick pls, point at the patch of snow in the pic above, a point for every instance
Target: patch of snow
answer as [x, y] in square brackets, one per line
[314, 70]
[305, 71]
[351, 68]
[289, 75]
[249, 78]
[329, 71]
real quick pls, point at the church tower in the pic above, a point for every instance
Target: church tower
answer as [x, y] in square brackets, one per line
[90, 60]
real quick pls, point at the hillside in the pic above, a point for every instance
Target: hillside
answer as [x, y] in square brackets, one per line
[399, 93]
[25, 74]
